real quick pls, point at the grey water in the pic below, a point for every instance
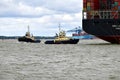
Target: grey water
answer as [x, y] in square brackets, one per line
[87, 60]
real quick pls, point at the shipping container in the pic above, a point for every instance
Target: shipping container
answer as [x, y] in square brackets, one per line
[96, 4]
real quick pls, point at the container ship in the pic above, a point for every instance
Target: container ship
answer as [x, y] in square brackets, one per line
[101, 18]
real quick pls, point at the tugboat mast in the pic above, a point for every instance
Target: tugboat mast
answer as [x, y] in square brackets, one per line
[28, 29]
[59, 27]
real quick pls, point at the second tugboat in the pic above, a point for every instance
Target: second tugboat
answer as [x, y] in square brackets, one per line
[62, 39]
[28, 38]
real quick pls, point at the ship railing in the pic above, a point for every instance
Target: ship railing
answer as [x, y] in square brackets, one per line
[101, 14]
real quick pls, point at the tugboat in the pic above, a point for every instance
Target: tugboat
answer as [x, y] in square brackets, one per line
[78, 33]
[62, 39]
[28, 38]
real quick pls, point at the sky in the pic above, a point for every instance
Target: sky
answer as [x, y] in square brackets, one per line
[42, 16]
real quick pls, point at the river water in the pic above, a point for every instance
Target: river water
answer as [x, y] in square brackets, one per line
[87, 60]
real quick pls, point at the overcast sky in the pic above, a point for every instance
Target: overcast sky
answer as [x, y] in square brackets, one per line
[43, 16]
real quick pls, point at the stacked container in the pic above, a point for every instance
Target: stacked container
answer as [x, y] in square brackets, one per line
[95, 4]
[84, 5]
[90, 5]
[109, 7]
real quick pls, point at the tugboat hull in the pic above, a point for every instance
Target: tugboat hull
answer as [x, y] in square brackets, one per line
[24, 39]
[71, 41]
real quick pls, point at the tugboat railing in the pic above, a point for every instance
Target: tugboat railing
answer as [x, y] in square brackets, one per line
[101, 14]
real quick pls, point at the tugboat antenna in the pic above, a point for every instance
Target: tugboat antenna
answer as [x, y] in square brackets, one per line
[59, 27]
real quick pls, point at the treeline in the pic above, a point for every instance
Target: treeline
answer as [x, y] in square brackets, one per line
[16, 37]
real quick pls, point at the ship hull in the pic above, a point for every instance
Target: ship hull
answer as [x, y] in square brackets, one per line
[106, 29]
[71, 41]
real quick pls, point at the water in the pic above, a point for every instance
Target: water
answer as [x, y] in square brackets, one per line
[87, 60]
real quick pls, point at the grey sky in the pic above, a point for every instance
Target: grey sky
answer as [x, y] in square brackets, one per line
[43, 16]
